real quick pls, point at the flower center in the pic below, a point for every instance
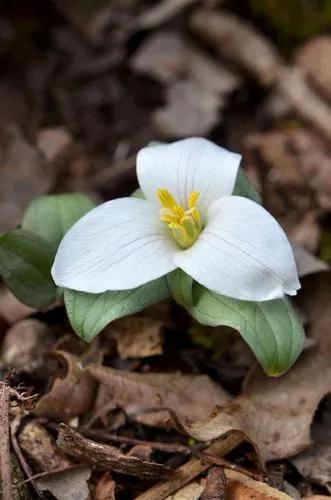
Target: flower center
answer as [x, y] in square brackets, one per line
[185, 225]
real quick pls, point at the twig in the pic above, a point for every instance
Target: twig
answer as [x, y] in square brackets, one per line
[171, 448]
[190, 470]
[5, 464]
[162, 12]
[105, 456]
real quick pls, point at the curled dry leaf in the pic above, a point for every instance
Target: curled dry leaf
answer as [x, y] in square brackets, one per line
[106, 457]
[40, 448]
[105, 489]
[70, 396]
[137, 336]
[24, 175]
[69, 484]
[26, 345]
[190, 396]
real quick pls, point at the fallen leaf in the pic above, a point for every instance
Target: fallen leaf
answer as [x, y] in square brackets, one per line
[190, 396]
[137, 336]
[314, 464]
[196, 88]
[39, 446]
[105, 489]
[162, 56]
[70, 484]
[242, 487]
[276, 413]
[24, 175]
[26, 346]
[70, 396]
[190, 110]
[106, 457]
[216, 485]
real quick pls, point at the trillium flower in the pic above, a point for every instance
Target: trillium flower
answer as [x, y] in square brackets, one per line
[188, 219]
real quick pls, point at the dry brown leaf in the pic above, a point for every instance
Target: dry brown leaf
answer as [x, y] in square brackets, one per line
[314, 58]
[24, 175]
[70, 396]
[26, 345]
[216, 485]
[190, 110]
[39, 446]
[105, 489]
[11, 309]
[196, 89]
[242, 487]
[162, 56]
[106, 457]
[276, 413]
[314, 464]
[137, 336]
[295, 167]
[70, 484]
[192, 397]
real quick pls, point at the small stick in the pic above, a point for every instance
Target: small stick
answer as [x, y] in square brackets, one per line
[171, 448]
[5, 464]
[193, 468]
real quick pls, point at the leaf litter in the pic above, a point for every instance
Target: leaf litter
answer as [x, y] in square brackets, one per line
[151, 410]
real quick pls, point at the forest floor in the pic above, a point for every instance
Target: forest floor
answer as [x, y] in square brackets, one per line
[157, 406]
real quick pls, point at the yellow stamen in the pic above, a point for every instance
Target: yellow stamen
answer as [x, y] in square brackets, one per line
[185, 224]
[166, 199]
[193, 199]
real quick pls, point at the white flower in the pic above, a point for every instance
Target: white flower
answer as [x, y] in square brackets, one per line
[188, 220]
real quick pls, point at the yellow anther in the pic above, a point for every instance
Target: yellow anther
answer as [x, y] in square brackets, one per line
[166, 199]
[193, 199]
[185, 224]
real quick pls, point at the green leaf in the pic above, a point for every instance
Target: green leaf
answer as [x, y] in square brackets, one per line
[25, 264]
[52, 216]
[180, 287]
[90, 313]
[243, 187]
[272, 329]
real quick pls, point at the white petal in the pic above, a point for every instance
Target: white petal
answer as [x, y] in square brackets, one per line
[193, 164]
[119, 245]
[242, 253]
